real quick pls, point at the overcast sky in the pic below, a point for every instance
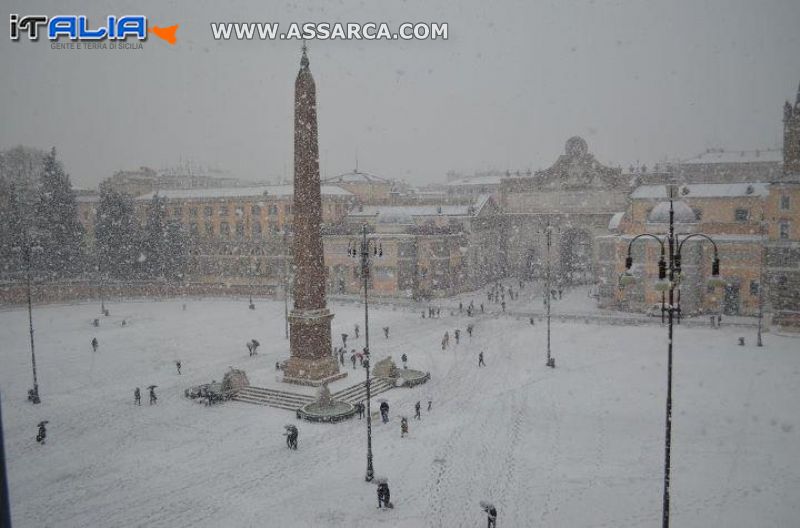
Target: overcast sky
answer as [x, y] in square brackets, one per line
[638, 80]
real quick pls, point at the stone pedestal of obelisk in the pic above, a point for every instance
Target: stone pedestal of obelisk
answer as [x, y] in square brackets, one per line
[311, 361]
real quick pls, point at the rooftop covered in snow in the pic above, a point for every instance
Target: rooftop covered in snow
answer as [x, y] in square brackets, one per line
[703, 190]
[237, 192]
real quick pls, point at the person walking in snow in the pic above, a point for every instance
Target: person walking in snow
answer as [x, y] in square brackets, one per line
[353, 359]
[438, 312]
[341, 356]
[137, 396]
[386, 332]
[404, 359]
[469, 330]
[417, 408]
[360, 410]
[503, 304]
[178, 365]
[430, 403]
[385, 411]
[384, 497]
[460, 307]
[480, 359]
[42, 434]
[153, 397]
[482, 311]
[291, 437]
[445, 340]
[403, 427]
[457, 334]
[356, 331]
[491, 513]
[95, 344]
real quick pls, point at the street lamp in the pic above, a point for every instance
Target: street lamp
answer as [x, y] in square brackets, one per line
[252, 268]
[362, 250]
[669, 274]
[27, 249]
[551, 361]
[100, 287]
[759, 341]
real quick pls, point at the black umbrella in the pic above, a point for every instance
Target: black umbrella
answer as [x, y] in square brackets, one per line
[151, 387]
[43, 422]
[256, 343]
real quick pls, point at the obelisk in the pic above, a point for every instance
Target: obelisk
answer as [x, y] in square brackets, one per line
[311, 361]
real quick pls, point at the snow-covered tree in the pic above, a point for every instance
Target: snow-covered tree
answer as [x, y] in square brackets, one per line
[117, 235]
[59, 231]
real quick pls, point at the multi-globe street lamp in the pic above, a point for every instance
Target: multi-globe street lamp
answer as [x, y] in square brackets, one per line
[548, 297]
[669, 276]
[362, 250]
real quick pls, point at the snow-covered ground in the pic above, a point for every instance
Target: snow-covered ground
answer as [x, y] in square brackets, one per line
[578, 446]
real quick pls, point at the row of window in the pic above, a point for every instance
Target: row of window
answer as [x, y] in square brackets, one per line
[238, 211]
[256, 229]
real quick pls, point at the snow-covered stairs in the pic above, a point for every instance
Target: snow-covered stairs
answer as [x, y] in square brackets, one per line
[272, 398]
[291, 401]
[358, 392]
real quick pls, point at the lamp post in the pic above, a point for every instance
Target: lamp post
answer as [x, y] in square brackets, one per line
[669, 273]
[551, 361]
[362, 250]
[252, 269]
[100, 282]
[27, 249]
[759, 341]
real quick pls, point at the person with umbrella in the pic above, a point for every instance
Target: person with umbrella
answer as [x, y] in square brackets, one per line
[255, 344]
[417, 408]
[137, 396]
[491, 513]
[42, 434]
[291, 436]
[153, 397]
[95, 344]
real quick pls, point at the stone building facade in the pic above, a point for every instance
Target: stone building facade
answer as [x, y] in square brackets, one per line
[732, 214]
[577, 196]
[428, 251]
[241, 235]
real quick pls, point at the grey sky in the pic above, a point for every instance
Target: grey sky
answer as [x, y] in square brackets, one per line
[639, 80]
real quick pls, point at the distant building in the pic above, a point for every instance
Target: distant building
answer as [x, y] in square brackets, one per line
[367, 188]
[428, 251]
[577, 196]
[731, 213]
[783, 215]
[184, 176]
[469, 188]
[237, 233]
[729, 166]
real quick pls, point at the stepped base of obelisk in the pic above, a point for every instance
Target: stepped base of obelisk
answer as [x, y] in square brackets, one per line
[312, 361]
[313, 372]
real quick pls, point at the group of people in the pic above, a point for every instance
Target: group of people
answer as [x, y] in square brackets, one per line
[137, 394]
[433, 313]
[252, 347]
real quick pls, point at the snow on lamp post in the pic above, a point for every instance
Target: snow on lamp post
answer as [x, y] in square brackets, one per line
[362, 250]
[669, 274]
